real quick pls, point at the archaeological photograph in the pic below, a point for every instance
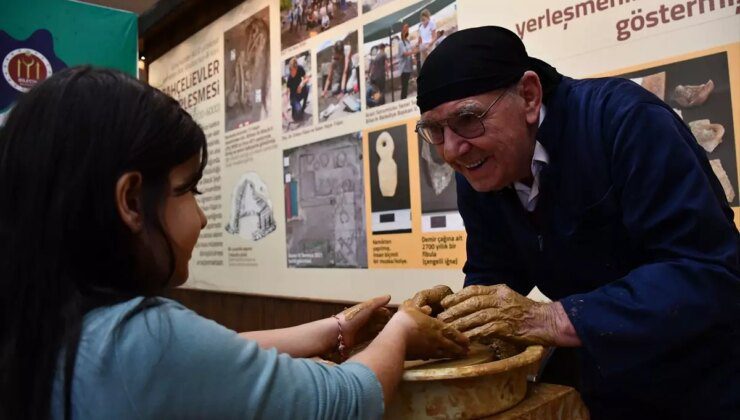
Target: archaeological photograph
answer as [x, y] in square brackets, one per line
[438, 192]
[251, 215]
[390, 202]
[698, 90]
[247, 71]
[325, 204]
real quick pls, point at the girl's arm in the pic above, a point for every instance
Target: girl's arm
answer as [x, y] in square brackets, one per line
[358, 323]
[306, 340]
[410, 334]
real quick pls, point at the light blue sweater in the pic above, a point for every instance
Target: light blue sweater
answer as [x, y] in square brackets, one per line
[168, 362]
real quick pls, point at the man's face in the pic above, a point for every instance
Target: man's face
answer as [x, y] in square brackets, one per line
[502, 154]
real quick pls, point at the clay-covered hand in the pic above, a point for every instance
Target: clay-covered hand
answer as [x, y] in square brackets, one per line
[498, 311]
[429, 300]
[364, 321]
[429, 338]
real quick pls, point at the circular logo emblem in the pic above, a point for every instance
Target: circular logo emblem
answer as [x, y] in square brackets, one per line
[24, 67]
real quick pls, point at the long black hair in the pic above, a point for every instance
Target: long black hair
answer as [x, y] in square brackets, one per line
[64, 249]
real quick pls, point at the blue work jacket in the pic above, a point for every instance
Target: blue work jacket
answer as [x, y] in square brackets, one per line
[633, 234]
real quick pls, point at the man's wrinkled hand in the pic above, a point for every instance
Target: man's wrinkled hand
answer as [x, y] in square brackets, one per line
[498, 311]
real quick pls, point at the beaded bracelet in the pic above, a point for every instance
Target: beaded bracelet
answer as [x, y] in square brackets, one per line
[340, 340]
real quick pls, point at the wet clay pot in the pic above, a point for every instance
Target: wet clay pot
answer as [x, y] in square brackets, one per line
[462, 392]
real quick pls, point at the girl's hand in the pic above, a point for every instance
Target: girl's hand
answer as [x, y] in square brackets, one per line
[429, 300]
[427, 337]
[364, 321]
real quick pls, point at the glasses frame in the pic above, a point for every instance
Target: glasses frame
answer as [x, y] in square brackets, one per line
[445, 123]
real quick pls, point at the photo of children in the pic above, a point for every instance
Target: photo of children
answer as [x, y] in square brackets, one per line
[297, 89]
[302, 19]
[339, 82]
[397, 45]
[247, 71]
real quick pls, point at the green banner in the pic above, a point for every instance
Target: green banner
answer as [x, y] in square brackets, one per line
[41, 37]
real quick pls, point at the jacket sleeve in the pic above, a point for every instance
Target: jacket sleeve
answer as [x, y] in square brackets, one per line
[175, 364]
[490, 256]
[672, 205]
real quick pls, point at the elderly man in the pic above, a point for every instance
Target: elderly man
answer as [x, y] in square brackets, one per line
[596, 192]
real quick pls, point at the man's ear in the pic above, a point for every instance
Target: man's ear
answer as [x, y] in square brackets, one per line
[129, 200]
[530, 90]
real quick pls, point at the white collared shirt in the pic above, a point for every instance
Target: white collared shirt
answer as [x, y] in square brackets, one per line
[528, 195]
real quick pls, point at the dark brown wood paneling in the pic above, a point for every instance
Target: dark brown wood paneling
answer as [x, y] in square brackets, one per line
[255, 312]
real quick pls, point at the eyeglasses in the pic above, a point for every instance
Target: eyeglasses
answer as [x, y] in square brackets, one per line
[466, 124]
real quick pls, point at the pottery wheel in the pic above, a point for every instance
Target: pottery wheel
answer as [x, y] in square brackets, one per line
[477, 354]
[476, 386]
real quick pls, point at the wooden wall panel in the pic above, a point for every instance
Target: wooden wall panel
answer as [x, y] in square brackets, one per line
[254, 312]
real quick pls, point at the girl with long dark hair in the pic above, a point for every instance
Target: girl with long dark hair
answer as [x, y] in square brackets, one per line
[98, 217]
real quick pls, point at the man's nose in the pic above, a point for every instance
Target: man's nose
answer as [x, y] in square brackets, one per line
[454, 145]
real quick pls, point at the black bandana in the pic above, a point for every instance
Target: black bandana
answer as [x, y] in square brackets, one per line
[474, 61]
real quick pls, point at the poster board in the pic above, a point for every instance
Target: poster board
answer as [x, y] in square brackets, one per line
[317, 185]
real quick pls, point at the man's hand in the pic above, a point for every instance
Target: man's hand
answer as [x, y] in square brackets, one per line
[498, 311]
[429, 300]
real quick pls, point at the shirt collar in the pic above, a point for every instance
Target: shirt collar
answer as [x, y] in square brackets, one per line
[528, 194]
[540, 156]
